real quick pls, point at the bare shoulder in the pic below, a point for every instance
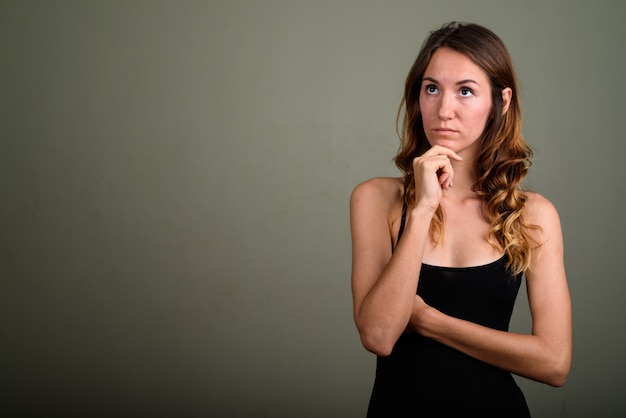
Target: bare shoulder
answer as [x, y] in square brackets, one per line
[377, 203]
[539, 208]
[541, 212]
[379, 192]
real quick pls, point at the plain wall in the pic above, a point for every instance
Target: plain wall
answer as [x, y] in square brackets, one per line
[174, 182]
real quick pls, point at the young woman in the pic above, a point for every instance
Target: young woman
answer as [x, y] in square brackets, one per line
[439, 254]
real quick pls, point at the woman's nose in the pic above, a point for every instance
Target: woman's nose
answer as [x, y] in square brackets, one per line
[446, 108]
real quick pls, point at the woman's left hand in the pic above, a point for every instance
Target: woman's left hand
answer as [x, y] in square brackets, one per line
[418, 315]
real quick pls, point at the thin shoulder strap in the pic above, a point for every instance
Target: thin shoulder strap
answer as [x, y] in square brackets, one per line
[402, 222]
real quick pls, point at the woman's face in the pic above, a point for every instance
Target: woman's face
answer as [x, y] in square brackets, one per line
[455, 101]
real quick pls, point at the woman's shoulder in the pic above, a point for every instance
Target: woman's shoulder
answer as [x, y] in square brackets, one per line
[537, 204]
[376, 205]
[379, 198]
[381, 190]
[541, 212]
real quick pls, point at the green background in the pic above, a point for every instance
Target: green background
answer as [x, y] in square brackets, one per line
[174, 180]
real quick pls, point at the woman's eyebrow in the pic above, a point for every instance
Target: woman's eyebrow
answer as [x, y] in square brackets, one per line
[465, 81]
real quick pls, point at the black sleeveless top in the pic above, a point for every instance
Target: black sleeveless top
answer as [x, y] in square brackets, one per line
[423, 378]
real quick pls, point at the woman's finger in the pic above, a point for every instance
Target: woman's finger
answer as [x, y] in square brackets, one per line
[439, 150]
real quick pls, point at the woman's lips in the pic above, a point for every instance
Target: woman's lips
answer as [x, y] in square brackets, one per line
[444, 131]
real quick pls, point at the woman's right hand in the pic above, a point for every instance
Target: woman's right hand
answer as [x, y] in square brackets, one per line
[433, 173]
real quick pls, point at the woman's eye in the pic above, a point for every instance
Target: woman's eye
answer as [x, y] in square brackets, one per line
[465, 92]
[431, 89]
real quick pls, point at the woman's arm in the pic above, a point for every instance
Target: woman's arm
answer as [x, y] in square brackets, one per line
[546, 354]
[383, 285]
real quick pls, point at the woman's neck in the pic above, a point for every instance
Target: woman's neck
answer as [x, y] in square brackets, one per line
[464, 179]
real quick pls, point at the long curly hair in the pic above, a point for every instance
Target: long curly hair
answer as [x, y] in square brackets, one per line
[504, 156]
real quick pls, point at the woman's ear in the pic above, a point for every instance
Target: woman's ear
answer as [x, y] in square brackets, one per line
[507, 94]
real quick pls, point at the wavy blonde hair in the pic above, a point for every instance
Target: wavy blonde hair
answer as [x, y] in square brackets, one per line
[504, 156]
